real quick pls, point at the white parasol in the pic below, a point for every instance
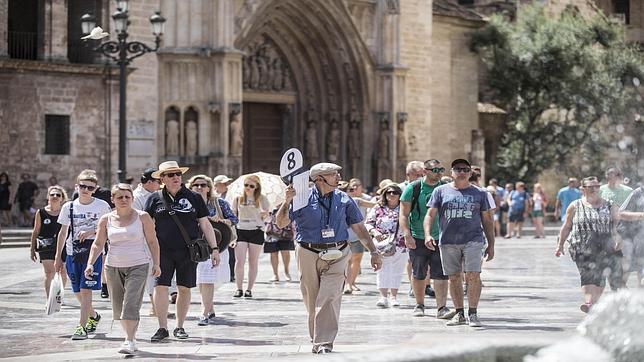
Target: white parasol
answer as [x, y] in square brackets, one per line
[272, 187]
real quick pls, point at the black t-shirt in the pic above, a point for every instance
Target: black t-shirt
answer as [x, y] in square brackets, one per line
[26, 191]
[188, 206]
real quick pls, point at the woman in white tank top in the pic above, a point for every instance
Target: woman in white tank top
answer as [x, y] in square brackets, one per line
[130, 233]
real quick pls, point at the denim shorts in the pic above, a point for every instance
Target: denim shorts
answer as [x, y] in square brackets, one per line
[455, 257]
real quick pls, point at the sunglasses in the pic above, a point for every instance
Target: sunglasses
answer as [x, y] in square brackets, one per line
[126, 197]
[173, 174]
[461, 169]
[55, 195]
[200, 185]
[250, 186]
[87, 187]
[392, 193]
[436, 169]
[591, 187]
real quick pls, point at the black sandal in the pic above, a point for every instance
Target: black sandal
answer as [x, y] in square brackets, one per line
[248, 294]
[238, 294]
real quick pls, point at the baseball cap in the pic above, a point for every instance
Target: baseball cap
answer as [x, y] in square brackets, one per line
[147, 175]
[460, 160]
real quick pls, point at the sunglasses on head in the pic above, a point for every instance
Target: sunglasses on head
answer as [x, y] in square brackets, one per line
[55, 195]
[199, 185]
[250, 186]
[172, 174]
[436, 169]
[461, 169]
[87, 187]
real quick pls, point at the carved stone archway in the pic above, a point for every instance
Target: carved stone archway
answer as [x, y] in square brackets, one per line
[310, 51]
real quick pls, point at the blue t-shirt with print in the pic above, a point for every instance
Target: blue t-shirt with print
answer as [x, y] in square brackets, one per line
[518, 201]
[459, 213]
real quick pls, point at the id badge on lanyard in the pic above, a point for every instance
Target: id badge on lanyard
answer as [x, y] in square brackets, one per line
[328, 232]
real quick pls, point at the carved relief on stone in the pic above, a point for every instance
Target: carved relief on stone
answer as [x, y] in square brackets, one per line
[401, 136]
[393, 6]
[265, 68]
[236, 130]
[311, 152]
[172, 132]
[354, 137]
[333, 139]
[382, 148]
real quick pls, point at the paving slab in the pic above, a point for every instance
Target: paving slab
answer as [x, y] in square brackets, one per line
[529, 297]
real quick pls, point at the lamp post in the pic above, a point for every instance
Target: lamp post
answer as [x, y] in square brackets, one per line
[122, 53]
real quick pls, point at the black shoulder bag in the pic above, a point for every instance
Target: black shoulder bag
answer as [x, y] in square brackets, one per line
[198, 249]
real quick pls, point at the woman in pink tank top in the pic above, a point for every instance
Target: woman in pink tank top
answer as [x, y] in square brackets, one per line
[130, 233]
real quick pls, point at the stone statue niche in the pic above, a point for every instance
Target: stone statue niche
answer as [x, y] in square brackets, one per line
[191, 118]
[401, 136]
[236, 131]
[383, 147]
[172, 131]
[312, 151]
[355, 143]
[265, 68]
[333, 140]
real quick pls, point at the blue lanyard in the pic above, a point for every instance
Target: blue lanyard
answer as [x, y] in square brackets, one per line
[328, 209]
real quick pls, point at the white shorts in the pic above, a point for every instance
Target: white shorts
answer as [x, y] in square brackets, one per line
[206, 274]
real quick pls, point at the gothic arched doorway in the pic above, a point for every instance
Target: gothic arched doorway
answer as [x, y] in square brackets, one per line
[306, 68]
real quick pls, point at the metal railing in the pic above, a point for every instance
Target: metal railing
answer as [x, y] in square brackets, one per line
[79, 51]
[22, 45]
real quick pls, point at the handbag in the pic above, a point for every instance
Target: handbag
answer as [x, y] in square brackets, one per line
[198, 249]
[45, 244]
[233, 230]
[80, 249]
[387, 246]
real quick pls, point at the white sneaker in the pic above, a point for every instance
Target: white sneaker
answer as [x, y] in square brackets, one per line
[382, 302]
[473, 321]
[203, 321]
[127, 347]
[394, 302]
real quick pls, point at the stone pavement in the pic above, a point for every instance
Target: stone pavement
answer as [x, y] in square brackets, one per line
[529, 296]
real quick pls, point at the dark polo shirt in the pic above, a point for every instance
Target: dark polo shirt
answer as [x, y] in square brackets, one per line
[188, 206]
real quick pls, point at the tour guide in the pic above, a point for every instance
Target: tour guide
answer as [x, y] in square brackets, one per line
[321, 234]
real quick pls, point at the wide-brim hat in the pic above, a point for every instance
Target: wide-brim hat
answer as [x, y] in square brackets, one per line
[223, 233]
[386, 184]
[169, 166]
[221, 179]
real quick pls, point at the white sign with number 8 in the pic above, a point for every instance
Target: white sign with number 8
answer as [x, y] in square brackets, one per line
[292, 161]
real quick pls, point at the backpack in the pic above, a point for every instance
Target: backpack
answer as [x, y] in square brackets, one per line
[416, 195]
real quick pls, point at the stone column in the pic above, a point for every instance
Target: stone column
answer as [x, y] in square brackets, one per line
[4, 23]
[55, 30]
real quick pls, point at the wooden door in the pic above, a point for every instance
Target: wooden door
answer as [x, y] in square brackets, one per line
[263, 137]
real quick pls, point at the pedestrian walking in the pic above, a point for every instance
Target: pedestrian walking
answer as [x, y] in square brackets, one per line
[221, 190]
[364, 202]
[133, 245]
[322, 253]
[383, 227]
[565, 196]
[80, 217]
[461, 209]
[539, 204]
[413, 208]
[519, 209]
[631, 229]
[5, 195]
[590, 229]
[279, 241]
[210, 277]
[177, 211]
[45, 234]
[25, 197]
[614, 189]
[251, 207]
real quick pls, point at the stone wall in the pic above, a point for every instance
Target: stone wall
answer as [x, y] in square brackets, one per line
[454, 89]
[415, 54]
[35, 93]
[4, 15]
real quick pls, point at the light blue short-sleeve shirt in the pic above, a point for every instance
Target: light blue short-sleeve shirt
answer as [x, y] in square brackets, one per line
[567, 195]
[335, 210]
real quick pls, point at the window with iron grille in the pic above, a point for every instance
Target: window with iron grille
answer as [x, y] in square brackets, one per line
[23, 29]
[56, 134]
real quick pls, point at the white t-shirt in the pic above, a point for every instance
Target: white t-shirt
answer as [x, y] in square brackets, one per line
[141, 195]
[85, 218]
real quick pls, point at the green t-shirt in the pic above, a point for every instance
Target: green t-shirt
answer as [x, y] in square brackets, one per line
[416, 219]
[617, 195]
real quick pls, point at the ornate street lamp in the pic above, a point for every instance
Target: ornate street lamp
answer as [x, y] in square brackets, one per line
[122, 53]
